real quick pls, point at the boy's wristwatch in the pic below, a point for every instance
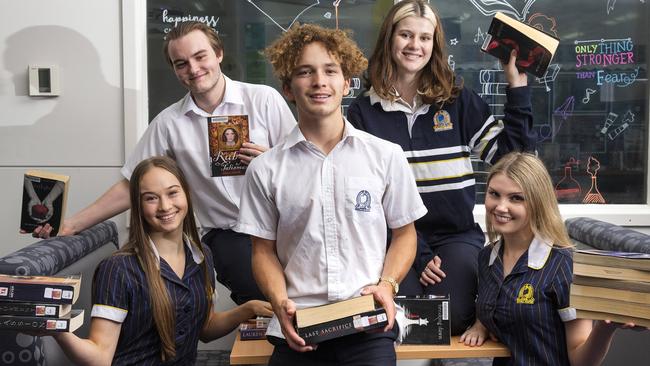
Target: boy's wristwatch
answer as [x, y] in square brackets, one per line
[392, 282]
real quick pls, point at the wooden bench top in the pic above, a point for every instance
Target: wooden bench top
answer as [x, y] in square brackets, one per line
[259, 352]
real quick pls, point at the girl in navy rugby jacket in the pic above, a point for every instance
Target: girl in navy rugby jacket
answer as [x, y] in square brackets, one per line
[416, 101]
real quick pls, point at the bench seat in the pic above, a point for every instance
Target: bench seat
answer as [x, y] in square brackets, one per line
[259, 351]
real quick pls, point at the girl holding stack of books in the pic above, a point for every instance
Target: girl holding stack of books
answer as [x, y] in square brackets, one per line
[154, 298]
[525, 274]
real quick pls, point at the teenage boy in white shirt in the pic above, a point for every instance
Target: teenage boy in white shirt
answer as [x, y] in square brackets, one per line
[317, 205]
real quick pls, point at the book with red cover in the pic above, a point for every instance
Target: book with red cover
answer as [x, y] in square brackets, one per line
[535, 48]
[44, 200]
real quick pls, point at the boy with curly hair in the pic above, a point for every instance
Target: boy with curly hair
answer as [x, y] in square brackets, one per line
[317, 205]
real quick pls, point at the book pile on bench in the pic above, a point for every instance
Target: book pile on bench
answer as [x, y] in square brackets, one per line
[40, 303]
[254, 328]
[611, 285]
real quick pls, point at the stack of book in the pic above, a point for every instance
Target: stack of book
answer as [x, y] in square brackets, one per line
[40, 303]
[320, 323]
[611, 285]
[254, 328]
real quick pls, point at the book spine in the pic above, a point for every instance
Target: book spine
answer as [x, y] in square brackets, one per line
[253, 333]
[589, 270]
[45, 293]
[344, 326]
[29, 309]
[32, 323]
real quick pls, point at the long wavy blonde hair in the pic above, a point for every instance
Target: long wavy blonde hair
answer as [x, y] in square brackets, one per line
[531, 175]
[436, 81]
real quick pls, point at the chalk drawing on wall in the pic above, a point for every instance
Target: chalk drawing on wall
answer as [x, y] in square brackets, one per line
[479, 37]
[568, 190]
[588, 93]
[491, 7]
[549, 76]
[610, 6]
[544, 23]
[593, 196]
[316, 2]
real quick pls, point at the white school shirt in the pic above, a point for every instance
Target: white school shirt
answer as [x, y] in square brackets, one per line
[181, 132]
[328, 213]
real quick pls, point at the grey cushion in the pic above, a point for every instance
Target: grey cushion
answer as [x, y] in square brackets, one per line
[50, 256]
[606, 236]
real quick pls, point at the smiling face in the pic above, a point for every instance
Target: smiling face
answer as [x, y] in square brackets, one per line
[506, 208]
[195, 62]
[411, 45]
[317, 84]
[163, 201]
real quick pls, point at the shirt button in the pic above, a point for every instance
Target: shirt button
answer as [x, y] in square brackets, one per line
[181, 332]
[329, 219]
[187, 308]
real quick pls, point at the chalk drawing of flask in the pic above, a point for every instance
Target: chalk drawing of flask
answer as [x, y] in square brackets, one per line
[568, 189]
[593, 196]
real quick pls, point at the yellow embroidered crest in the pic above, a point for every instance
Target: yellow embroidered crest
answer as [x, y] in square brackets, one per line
[442, 121]
[526, 294]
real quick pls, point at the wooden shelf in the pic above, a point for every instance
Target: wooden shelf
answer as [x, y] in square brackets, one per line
[259, 352]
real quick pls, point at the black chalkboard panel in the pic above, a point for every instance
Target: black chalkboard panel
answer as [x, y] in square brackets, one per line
[591, 108]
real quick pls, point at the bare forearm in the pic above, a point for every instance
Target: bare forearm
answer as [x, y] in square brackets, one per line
[401, 252]
[222, 323]
[114, 201]
[595, 348]
[82, 351]
[267, 271]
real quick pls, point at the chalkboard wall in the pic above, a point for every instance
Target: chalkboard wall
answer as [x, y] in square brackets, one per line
[591, 108]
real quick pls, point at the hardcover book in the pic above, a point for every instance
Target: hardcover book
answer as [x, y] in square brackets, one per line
[620, 307]
[343, 326]
[44, 200]
[595, 315]
[341, 309]
[427, 319]
[45, 289]
[599, 271]
[34, 309]
[535, 48]
[607, 258]
[611, 294]
[225, 137]
[634, 286]
[66, 323]
[320, 323]
[252, 334]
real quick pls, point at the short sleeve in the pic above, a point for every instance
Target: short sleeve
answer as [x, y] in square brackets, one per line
[562, 287]
[111, 290]
[402, 202]
[153, 142]
[258, 215]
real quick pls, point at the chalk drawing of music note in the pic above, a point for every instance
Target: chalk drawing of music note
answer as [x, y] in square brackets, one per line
[588, 93]
[294, 19]
[479, 37]
[451, 62]
[490, 7]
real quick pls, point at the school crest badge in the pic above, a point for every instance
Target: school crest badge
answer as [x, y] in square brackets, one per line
[442, 121]
[526, 294]
[363, 201]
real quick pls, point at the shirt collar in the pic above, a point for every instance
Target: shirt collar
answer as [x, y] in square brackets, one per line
[398, 105]
[197, 255]
[231, 95]
[295, 136]
[538, 252]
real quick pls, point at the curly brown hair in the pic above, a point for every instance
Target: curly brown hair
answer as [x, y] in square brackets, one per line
[285, 52]
[437, 82]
